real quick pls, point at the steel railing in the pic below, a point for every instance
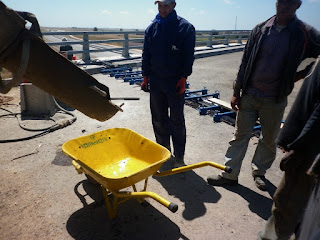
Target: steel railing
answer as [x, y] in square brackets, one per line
[129, 40]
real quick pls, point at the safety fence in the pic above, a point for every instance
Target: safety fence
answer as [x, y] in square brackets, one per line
[124, 41]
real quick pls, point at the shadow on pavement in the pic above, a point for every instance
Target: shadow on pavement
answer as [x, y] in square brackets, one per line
[270, 188]
[133, 220]
[191, 189]
[258, 204]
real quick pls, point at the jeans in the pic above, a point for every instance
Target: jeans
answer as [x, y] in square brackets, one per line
[270, 113]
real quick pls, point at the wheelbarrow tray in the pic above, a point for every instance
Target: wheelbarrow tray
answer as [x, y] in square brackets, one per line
[116, 158]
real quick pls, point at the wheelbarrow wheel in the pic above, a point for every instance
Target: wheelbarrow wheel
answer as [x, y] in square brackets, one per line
[91, 179]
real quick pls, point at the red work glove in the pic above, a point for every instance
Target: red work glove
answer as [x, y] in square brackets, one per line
[181, 86]
[145, 84]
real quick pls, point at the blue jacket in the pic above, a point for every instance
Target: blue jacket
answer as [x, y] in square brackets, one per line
[168, 50]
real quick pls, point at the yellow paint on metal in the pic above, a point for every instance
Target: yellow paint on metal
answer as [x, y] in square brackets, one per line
[190, 167]
[117, 157]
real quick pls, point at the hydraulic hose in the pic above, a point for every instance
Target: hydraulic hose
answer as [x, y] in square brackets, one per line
[44, 131]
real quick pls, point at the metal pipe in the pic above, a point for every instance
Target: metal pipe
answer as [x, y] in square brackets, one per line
[193, 166]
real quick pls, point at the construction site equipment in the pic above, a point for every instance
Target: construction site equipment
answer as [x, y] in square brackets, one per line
[115, 70]
[34, 101]
[128, 74]
[27, 56]
[211, 104]
[125, 73]
[192, 95]
[202, 91]
[135, 80]
[118, 158]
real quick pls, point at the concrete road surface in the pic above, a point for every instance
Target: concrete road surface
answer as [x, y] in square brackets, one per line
[43, 197]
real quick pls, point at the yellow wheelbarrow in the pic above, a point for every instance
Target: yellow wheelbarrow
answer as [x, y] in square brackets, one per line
[118, 158]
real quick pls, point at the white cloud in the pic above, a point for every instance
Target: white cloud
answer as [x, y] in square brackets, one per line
[196, 11]
[106, 12]
[152, 12]
[124, 13]
[228, 2]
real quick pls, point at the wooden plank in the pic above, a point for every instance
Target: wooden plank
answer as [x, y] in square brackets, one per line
[221, 103]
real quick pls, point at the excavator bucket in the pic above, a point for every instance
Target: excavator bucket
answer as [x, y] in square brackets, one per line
[49, 70]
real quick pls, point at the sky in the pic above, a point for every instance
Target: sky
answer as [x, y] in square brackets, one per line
[130, 14]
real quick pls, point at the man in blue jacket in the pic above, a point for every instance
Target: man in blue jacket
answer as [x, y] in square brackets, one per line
[167, 59]
[266, 77]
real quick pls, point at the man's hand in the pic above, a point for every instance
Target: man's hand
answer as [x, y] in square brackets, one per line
[145, 84]
[290, 160]
[235, 102]
[181, 86]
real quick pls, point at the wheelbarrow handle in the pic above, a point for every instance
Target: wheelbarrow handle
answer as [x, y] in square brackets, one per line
[173, 207]
[127, 195]
[77, 166]
[228, 169]
[193, 166]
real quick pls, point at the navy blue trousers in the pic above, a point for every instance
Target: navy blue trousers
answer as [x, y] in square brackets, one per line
[167, 110]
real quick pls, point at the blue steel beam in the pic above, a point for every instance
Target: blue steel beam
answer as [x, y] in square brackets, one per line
[131, 82]
[217, 116]
[127, 74]
[198, 98]
[203, 110]
[132, 78]
[111, 70]
[202, 91]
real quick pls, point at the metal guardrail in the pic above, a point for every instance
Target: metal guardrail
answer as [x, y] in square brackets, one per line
[134, 40]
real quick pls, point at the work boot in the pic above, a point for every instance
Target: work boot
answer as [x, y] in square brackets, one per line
[178, 162]
[167, 165]
[217, 180]
[260, 182]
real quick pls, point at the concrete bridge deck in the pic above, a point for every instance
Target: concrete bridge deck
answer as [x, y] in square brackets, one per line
[43, 197]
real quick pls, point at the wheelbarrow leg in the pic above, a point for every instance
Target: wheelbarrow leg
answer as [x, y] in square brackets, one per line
[141, 200]
[112, 210]
[112, 204]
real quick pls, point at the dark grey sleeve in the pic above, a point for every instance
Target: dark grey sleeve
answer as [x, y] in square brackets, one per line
[302, 126]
